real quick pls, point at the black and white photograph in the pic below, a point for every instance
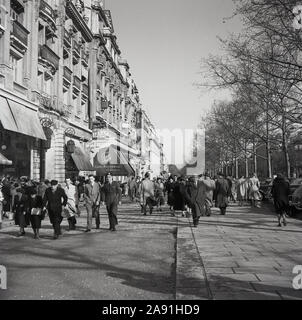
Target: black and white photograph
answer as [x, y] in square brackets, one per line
[150, 151]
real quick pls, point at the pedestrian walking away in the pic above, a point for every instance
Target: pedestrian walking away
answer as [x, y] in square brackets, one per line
[111, 196]
[92, 198]
[54, 201]
[210, 187]
[222, 193]
[72, 203]
[280, 193]
[242, 186]
[147, 194]
[253, 191]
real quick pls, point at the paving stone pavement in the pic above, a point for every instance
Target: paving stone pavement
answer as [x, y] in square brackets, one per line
[242, 255]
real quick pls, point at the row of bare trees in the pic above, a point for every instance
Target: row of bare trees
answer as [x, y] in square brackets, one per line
[262, 68]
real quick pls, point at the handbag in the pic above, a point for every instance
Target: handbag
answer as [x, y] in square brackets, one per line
[36, 211]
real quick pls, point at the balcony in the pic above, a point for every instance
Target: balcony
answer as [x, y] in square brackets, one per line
[19, 37]
[85, 58]
[67, 77]
[49, 57]
[85, 90]
[48, 14]
[76, 85]
[76, 52]
[67, 39]
[51, 103]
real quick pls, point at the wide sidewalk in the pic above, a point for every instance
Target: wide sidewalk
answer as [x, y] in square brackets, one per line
[242, 255]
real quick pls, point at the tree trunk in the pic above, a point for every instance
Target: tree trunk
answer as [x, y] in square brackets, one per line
[285, 148]
[269, 162]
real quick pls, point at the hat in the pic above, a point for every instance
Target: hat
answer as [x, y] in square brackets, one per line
[54, 182]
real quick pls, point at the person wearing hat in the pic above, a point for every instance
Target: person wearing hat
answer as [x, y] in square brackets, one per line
[111, 196]
[92, 198]
[35, 207]
[21, 210]
[54, 200]
[196, 195]
[222, 192]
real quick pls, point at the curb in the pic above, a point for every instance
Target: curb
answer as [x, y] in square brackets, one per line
[191, 280]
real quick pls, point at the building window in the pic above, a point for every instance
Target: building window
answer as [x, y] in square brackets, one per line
[18, 16]
[17, 66]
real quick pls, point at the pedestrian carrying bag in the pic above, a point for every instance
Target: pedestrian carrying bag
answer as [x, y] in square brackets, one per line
[36, 211]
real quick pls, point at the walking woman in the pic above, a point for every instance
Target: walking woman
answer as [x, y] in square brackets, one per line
[21, 210]
[169, 190]
[159, 193]
[72, 203]
[35, 208]
[241, 190]
[254, 194]
[280, 192]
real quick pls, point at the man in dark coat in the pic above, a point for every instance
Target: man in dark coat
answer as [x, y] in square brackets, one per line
[196, 196]
[280, 193]
[222, 193]
[111, 195]
[54, 200]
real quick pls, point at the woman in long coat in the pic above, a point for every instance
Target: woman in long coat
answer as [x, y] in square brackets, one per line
[241, 190]
[35, 208]
[178, 195]
[280, 193]
[253, 191]
[21, 210]
[169, 189]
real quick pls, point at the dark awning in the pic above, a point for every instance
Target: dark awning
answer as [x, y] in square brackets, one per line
[81, 160]
[5, 161]
[110, 160]
[18, 118]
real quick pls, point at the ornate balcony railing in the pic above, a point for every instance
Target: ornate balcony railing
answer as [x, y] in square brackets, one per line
[51, 57]
[51, 103]
[19, 37]
[48, 14]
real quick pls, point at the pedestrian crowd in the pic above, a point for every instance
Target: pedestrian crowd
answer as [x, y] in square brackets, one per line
[31, 201]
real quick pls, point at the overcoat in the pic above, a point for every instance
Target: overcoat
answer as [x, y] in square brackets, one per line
[196, 195]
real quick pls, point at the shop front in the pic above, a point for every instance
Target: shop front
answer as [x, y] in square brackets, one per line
[20, 128]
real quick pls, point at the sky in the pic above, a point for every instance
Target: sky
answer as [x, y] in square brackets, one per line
[164, 42]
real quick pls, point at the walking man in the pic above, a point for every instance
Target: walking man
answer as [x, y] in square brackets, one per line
[92, 198]
[111, 196]
[196, 196]
[54, 199]
[222, 193]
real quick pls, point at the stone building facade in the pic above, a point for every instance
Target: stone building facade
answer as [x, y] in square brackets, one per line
[66, 91]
